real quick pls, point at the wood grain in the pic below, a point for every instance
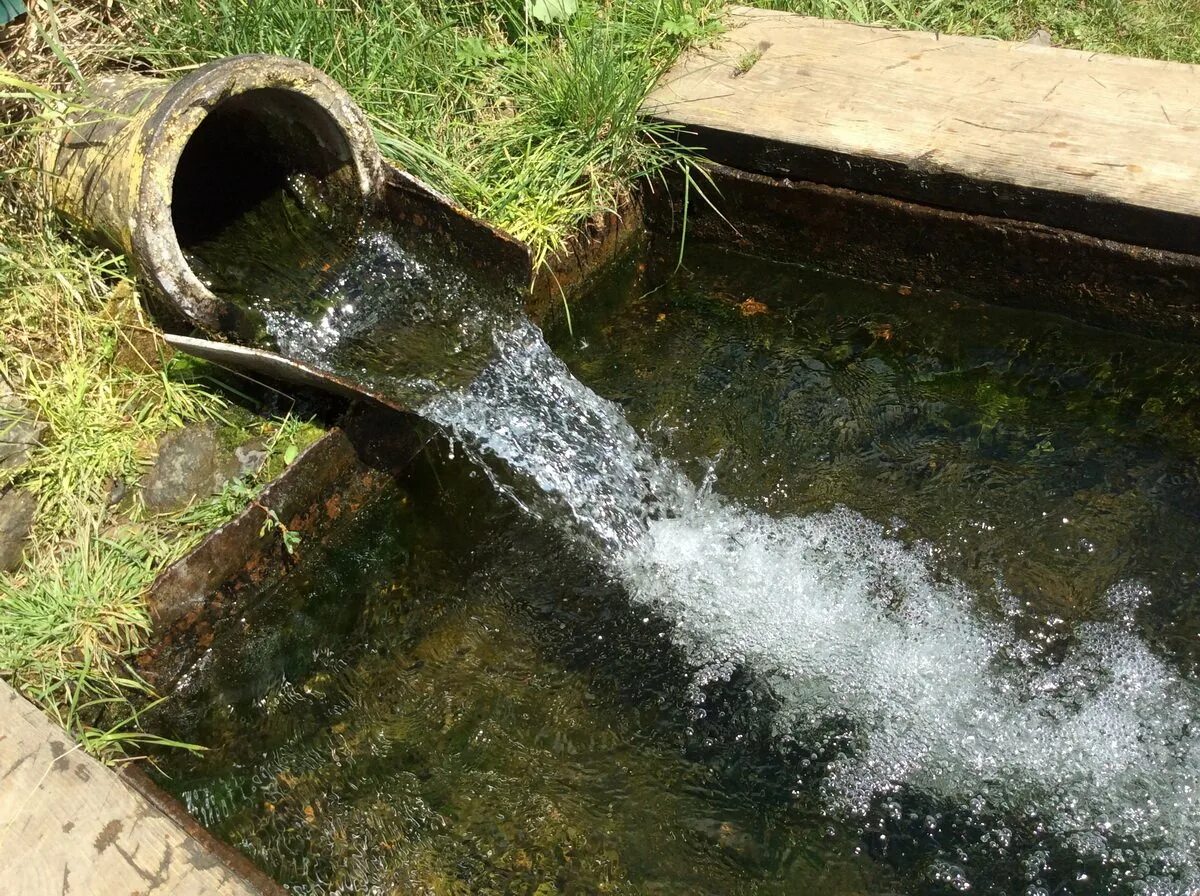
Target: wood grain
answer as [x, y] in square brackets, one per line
[1106, 145]
[71, 827]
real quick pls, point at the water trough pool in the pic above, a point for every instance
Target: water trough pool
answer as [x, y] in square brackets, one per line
[775, 583]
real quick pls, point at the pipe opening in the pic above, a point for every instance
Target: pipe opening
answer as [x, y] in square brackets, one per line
[249, 148]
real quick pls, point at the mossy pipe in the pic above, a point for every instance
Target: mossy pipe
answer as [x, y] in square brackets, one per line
[150, 165]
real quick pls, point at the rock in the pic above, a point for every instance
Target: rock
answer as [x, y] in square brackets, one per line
[191, 464]
[17, 510]
[1040, 38]
[118, 488]
[20, 431]
[251, 457]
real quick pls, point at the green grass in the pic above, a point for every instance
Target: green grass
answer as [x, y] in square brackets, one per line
[533, 126]
[65, 313]
[74, 614]
[69, 628]
[1159, 29]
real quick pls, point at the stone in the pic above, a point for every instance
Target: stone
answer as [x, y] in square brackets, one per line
[20, 430]
[1040, 38]
[17, 510]
[251, 457]
[191, 464]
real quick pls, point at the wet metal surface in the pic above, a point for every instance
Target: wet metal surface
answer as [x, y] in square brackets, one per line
[1148, 292]
[336, 477]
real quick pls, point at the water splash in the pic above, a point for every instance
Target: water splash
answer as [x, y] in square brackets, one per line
[574, 448]
[853, 627]
[854, 630]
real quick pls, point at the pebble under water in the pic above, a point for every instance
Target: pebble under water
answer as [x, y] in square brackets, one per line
[876, 593]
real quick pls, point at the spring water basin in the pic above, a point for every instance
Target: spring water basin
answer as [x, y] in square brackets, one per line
[925, 622]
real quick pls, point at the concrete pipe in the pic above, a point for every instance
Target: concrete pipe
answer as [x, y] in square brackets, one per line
[151, 167]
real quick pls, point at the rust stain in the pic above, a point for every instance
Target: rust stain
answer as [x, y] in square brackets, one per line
[751, 306]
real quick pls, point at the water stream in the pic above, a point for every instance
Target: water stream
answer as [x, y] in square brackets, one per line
[856, 629]
[890, 691]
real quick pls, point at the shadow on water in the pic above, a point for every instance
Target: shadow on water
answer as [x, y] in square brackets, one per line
[460, 696]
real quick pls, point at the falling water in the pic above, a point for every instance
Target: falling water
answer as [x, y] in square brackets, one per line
[884, 670]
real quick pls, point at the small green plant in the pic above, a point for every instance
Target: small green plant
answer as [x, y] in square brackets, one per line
[289, 537]
[474, 52]
[549, 11]
[236, 496]
[690, 20]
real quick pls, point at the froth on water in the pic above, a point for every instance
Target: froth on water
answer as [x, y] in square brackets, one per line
[858, 632]
[903, 696]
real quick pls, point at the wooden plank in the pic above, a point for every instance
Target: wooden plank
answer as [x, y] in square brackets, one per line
[69, 825]
[1134, 289]
[1106, 145]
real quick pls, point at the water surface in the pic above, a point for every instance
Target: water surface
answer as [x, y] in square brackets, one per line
[849, 591]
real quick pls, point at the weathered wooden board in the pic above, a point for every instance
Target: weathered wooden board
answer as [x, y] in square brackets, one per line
[1105, 145]
[68, 825]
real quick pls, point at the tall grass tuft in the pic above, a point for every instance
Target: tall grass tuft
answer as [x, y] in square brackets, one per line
[68, 628]
[531, 125]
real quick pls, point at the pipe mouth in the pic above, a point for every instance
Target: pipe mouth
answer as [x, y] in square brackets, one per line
[224, 139]
[248, 148]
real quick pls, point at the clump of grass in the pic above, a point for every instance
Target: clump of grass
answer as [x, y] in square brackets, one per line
[69, 625]
[1159, 29]
[531, 125]
[60, 344]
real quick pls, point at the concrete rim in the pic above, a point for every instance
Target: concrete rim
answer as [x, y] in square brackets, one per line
[185, 106]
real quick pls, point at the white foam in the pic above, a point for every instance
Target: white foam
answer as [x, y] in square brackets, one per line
[853, 628]
[850, 626]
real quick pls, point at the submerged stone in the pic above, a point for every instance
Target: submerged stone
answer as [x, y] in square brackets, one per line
[17, 510]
